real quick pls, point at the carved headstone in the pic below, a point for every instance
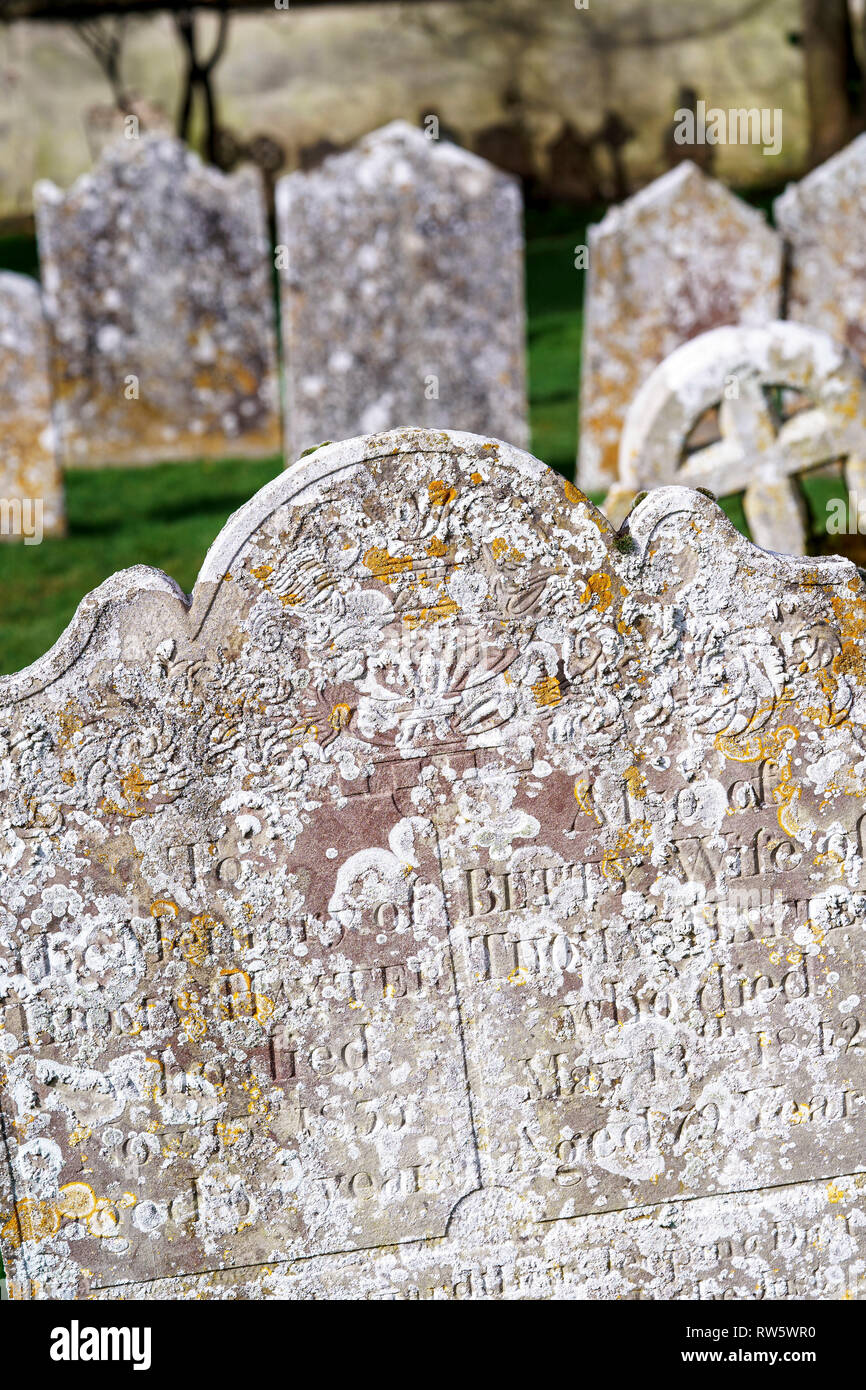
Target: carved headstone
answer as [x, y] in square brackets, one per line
[156, 272]
[747, 410]
[401, 292]
[679, 258]
[821, 218]
[454, 898]
[31, 489]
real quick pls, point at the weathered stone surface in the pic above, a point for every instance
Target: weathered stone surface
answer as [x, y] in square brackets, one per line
[402, 292]
[746, 410]
[454, 894]
[29, 476]
[680, 258]
[821, 218]
[156, 272]
[800, 1242]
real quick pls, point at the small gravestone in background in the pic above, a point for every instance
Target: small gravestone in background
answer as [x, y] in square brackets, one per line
[822, 219]
[455, 900]
[747, 410]
[106, 123]
[679, 258]
[31, 489]
[401, 292]
[157, 281]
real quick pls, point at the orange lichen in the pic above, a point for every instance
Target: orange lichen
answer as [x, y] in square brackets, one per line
[340, 716]
[547, 691]
[597, 591]
[445, 607]
[385, 566]
[70, 721]
[440, 493]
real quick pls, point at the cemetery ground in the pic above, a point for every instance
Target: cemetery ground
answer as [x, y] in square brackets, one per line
[166, 516]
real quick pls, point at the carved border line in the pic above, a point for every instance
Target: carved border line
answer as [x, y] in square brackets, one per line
[433, 1243]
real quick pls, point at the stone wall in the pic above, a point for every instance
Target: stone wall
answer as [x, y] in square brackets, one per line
[305, 76]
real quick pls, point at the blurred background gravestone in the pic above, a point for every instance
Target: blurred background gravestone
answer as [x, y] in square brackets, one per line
[28, 466]
[156, 273]
[401, 292]
[822, 219]
[679, 258]
[105, 123]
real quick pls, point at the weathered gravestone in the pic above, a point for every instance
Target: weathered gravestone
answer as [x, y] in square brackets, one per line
[679, 258]
[31, 490]
[454, 899]
[821, 219]
[401, 292]
[156, 271]
[747, 410]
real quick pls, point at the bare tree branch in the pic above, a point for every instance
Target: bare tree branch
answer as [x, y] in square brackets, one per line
[103, 38]
[198, 76]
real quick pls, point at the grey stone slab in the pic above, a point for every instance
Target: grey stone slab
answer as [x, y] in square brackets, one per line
[402, 292]
[453, 894]
[31, 488]
[681, 257]
[157, 278]
[821, 219]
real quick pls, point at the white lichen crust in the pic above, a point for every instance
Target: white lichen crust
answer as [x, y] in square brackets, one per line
[453, 898]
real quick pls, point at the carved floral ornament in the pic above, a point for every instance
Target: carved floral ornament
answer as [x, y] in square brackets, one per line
[391, 881]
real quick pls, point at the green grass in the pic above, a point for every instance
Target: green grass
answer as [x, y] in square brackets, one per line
[165, 516]
[819, 491]
[554, 301]
[18, 253]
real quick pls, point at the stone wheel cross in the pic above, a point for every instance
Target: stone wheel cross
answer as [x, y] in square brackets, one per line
[750, 377]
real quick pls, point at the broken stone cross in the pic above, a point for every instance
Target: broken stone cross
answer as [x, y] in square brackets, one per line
[746, 410]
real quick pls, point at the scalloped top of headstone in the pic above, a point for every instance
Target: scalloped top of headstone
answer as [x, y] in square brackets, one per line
[30, 482]
[402, 291]
[156, 276]
[681, 257]
[450, 870]
[821, 218]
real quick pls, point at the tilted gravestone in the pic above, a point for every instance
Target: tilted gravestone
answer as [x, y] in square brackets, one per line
[679, 258]
[31, 490]
[401, 292]
[157, 279]
[821, 219]
[454, 898]
[747, 410]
